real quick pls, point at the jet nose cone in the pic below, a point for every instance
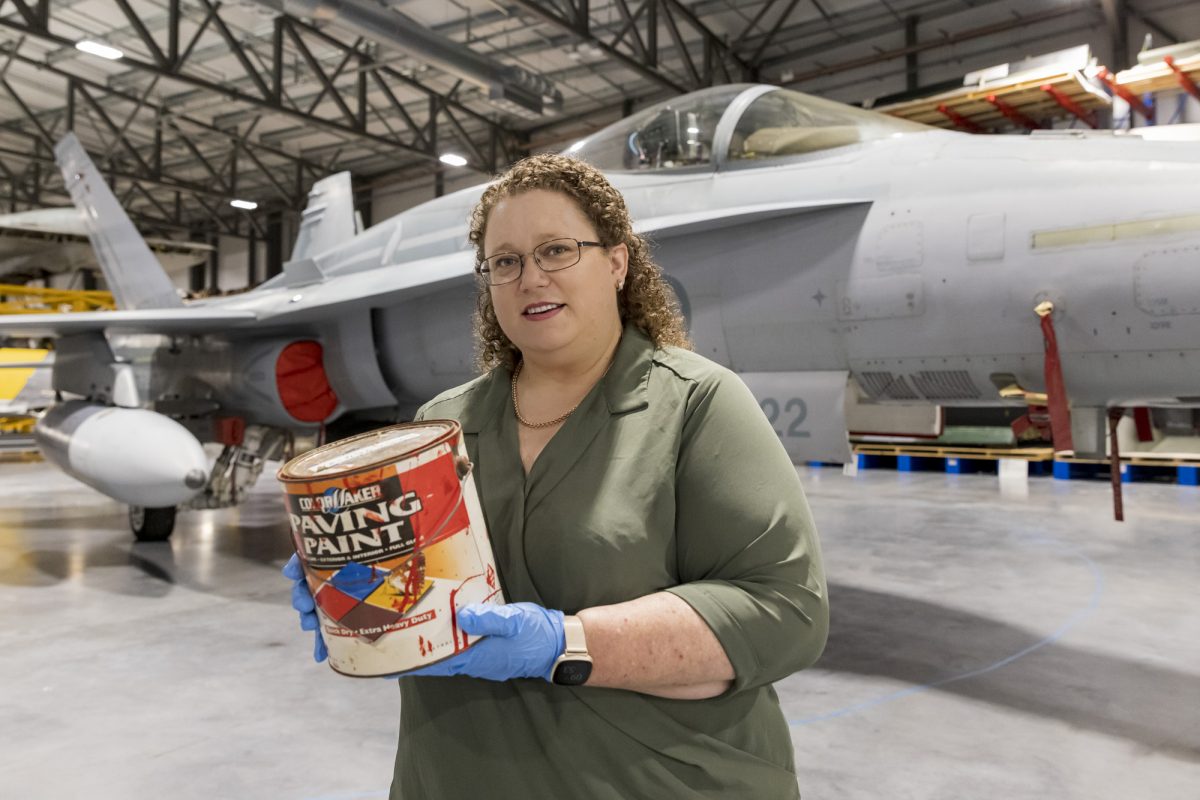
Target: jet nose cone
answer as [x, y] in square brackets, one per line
[195, 479]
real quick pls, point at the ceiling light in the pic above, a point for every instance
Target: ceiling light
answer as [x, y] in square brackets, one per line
[97, 49]
[245, 205]
[453, 159]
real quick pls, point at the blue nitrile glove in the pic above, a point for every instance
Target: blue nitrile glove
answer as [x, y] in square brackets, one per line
[302, 601]
[521, 640]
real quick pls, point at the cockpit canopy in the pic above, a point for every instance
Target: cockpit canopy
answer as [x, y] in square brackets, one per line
[733, 124]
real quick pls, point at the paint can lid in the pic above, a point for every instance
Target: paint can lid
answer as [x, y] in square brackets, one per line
[368, 450]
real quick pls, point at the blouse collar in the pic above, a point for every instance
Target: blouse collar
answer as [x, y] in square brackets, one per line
[625, 386]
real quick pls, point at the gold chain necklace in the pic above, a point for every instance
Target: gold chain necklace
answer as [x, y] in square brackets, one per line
[556, 420]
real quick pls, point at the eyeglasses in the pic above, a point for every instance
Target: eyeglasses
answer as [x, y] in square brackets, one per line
[551, 256]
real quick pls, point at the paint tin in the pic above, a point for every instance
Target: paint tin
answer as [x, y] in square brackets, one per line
[389, 530]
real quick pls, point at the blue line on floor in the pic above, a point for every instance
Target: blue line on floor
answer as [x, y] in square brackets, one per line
[1076, 618]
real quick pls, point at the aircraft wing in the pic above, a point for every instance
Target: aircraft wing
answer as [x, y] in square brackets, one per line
[62, 224]
[370, 289]
[669, 225]
[179, 320]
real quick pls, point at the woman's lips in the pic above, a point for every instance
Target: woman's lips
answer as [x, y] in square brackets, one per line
[540, 311]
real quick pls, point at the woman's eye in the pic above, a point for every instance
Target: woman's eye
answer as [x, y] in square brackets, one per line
[504, 262]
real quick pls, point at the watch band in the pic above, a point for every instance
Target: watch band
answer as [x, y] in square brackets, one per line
[576, 641]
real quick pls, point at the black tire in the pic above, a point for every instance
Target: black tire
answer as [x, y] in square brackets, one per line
[151, 524]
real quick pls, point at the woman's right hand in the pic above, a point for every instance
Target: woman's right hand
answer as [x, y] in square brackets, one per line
[302, 601]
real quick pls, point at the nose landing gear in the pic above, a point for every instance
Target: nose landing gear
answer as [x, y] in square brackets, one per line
[152, 524]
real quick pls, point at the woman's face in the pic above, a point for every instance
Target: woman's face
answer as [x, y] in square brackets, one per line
[566, 315]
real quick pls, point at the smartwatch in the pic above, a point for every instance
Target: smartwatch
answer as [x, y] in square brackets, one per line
[574, 666]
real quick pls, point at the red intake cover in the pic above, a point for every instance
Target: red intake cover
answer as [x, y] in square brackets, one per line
[303, 385]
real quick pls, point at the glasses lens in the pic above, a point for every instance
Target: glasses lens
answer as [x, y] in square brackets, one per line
[502, 268]
[558, 254]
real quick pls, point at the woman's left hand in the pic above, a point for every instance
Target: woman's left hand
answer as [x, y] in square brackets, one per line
[521, 640]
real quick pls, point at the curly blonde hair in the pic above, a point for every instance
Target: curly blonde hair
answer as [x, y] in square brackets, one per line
[647, 299]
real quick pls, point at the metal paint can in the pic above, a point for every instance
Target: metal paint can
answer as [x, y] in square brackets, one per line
[389, 530]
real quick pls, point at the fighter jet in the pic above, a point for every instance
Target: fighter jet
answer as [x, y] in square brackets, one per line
[837, 258]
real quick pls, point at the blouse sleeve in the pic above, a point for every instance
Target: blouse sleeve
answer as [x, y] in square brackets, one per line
[748, 556]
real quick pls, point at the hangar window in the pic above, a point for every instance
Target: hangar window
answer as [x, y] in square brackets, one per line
[671, 135]
[786, 123]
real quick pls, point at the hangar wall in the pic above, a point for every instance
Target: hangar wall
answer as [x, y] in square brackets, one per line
[390, 198]
[387, 200]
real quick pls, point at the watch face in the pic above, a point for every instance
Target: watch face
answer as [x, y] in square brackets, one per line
[572, 673]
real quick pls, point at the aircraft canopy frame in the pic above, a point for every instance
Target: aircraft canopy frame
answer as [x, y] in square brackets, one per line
[731, 126]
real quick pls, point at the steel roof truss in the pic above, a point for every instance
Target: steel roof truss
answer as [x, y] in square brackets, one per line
[37, 15]
[46, 136]
[337, 73]
[314, 66]
[238, 50]
[417, 131]
[116, 131]
[200, 158]
[139, 28]
[766, 42]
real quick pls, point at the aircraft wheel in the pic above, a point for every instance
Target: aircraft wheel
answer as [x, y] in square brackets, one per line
[151, 524]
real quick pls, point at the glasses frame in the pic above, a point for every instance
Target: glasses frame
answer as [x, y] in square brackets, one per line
[486, 273]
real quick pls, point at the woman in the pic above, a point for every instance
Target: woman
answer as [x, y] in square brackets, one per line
[643, 515]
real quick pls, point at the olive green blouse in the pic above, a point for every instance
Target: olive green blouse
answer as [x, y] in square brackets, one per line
[666, 478]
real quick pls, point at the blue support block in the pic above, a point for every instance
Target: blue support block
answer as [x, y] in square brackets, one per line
[1187, 476]
[1062, 471]
[868, 461]
[1140, 472]
[1067, 470]
[1039, 467]
[1150, 472]
[917, 463]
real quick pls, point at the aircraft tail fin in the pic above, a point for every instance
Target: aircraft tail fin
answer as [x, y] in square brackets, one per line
[134, 275]
[328, 219]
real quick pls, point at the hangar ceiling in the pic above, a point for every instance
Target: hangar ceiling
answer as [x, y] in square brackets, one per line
[257, 99]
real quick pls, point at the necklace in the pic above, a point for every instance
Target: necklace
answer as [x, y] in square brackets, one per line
[556, 420]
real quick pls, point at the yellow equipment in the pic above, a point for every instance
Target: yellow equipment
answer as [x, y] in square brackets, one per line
[15, 299]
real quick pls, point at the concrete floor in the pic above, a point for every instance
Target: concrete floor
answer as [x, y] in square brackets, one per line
[984, 645]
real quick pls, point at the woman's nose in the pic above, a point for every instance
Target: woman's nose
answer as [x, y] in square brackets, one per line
[533, 275]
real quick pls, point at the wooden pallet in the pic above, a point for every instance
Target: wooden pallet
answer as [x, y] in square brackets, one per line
[956, 451]
[1157, 76]
[1139, 460]
[962, 459]
[1022, 93]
